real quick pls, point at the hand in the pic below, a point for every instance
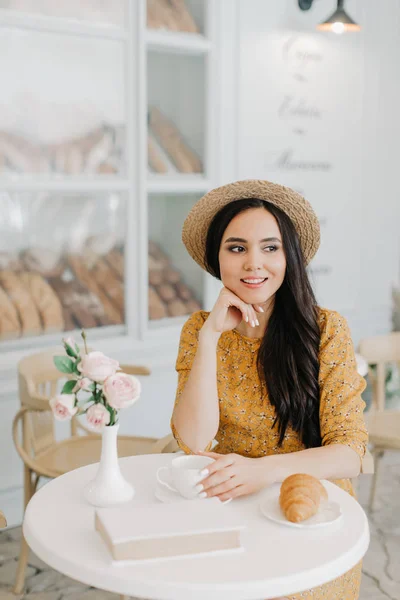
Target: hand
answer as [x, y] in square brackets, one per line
[229, 310]
[233, 475]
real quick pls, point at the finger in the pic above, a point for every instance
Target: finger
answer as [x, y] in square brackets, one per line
[258, 308]
[222, 488]
[215, 479]
[233, 493]
[223, 461]
[254, 317]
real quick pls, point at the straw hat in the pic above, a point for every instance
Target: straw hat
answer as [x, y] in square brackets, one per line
[195, 227]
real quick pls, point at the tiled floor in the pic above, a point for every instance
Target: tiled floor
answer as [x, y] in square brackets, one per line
[381, 579]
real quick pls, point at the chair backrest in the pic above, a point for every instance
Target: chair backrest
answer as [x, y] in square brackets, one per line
[3, 521]
[379, 350]
[38, 380]
[165, 444]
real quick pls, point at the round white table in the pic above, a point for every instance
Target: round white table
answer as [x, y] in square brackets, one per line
[277, 561]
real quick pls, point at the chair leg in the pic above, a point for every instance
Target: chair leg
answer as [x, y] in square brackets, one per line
[29, 489]
[377, 460]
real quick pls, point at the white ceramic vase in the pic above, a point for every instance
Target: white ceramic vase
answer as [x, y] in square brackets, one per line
[109, 486]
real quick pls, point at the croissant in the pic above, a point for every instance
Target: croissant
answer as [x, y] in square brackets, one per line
[300, 497]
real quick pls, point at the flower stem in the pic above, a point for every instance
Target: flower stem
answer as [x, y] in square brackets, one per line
[83, 334]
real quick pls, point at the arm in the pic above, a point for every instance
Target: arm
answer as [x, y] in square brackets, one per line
[196, 412]
[343, 432]
[335, 461]
[195, 419]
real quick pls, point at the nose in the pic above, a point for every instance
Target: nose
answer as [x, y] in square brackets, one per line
[253, 261]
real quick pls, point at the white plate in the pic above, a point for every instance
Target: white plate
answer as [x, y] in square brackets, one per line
[328, 512]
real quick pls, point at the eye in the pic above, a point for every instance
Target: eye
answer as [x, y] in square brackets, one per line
[236, 249]
[271, 248]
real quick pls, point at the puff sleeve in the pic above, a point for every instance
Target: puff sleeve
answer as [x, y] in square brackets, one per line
[186, 354]
[341, 405]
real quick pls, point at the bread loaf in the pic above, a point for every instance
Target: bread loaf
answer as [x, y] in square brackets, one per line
[22, 299]
[45, 261]
[85, 276]
[183, 157]
[46, 302]
[300, 497]
[10, 327]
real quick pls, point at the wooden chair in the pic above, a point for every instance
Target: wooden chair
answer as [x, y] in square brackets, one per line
[383, 425]
[33, 433]
[165, 444]
[3, 521]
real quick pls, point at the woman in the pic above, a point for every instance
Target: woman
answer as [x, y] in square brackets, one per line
[267, 373]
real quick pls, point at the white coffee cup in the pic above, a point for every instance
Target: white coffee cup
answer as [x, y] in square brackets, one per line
[184, 474]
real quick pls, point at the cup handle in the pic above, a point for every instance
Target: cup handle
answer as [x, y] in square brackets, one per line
[164, 482]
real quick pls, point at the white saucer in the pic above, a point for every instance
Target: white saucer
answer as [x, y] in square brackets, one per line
[327, 514]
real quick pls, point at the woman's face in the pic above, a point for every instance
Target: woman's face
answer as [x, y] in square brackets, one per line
[251, 257]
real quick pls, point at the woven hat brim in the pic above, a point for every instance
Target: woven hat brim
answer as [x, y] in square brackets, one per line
[298, 209]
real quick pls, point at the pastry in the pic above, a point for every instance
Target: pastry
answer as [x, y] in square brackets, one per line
[45, 261]
[10, 327]
[46, 302]
[81, 307]
[177, 308]
[157, 309]
[115, 258]
[111, 285]
[183, 17]
[156, 162]
[166, 292]
[22, 299]
[85, 276]
[172, 142]
[10, 261]
[300, 497]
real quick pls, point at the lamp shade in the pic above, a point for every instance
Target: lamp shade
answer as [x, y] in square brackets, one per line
[339, 21]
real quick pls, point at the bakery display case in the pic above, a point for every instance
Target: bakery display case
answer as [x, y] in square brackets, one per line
[106, 141]
[61, 262]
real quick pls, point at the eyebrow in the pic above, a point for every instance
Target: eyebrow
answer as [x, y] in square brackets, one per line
[243, 241]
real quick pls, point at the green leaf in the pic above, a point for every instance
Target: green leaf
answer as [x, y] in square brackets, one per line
[68, 387]
[70, 351]
[91, 387]
[64, 364]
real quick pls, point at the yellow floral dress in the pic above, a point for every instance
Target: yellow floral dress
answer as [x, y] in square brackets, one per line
[247, 416]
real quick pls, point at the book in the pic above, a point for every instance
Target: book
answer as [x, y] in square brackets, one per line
[165, 531]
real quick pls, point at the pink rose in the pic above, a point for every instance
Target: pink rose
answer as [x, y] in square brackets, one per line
[84, 383]
[97, 417]
[97, 367]
[63, 406]
[121, 390]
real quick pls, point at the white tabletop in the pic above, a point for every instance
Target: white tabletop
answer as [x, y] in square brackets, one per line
[278, 560]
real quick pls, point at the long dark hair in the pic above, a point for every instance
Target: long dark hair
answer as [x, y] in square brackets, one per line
[288, 355]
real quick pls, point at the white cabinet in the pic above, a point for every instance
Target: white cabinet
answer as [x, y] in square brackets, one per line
[108, 136]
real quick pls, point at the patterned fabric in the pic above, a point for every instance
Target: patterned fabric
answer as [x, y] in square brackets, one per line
[247, 416]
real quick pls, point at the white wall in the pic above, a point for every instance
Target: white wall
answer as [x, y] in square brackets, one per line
[319, 112]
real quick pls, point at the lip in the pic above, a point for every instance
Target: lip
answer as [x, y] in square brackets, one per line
[254, 285]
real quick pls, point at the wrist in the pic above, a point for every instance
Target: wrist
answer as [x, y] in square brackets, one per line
[274, 467]
[208, 337]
